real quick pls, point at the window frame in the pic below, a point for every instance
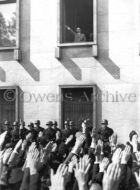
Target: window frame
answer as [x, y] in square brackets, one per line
[94, 42]
[17, 30]
[93, 86]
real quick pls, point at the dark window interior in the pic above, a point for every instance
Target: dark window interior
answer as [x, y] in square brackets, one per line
[77, 13]
[77, 105]
[7, 106]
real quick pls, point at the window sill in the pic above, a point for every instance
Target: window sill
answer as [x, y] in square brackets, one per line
[7, 48]
[9, 54]
[76, 44]
[76, 50]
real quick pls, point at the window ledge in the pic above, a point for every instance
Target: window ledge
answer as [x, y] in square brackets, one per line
[10, 54]
[76, 44]
[78, 50]
[8, 48]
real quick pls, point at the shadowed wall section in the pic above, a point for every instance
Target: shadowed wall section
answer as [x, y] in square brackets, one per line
[2, 75]
[25, 25]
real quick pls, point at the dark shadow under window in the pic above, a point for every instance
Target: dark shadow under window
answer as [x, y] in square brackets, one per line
[76, 16]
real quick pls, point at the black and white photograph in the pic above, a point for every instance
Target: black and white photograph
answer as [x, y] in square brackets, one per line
[69, 94]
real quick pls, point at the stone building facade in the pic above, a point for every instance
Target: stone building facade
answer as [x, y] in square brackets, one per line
[46, 78]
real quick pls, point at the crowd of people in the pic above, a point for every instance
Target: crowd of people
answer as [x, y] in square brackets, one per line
[42, 158]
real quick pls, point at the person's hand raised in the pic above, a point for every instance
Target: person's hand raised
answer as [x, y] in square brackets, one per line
[81, 173]
[116, 158]
[126, 153]
[79, 142]
[111, 177]
[18, 145]
[138, 157]
[6, 155]
[34, 162]
[45, 152]
[2, 138]
[58, 180]
[103, 165]
[72, 164]
[137, 175]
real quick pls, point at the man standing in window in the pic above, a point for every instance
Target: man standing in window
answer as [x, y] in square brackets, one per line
[78, 35]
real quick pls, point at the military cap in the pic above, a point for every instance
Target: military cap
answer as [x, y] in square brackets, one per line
[49, 123]
[105, 122]
[31, 124]
[37, 122]
[7, 123]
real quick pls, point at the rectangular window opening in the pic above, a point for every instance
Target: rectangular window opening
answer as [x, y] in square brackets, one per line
[8, 105]
[8, 23]
[76, 21]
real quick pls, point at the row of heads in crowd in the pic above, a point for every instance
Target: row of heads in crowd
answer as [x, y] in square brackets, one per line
[67, 123]
[53, 124]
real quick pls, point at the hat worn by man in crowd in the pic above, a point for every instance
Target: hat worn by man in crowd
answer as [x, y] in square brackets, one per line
[7, 126]
[66, 125]
[37, 126]
[7, 122]
[105, 122]
[55, 123]
[56, 129]
[37, 122]
[49, 124]
[30, 126]
[15, 125]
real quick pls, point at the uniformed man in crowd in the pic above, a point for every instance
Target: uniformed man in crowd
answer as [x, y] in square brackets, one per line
[15, 132]
[71, 138]
[66, 131]
[22, 130]
[104, 132]
[31, 126]
[8, 138]
[66, 125]
[57, 131]
[55, 126]
[37, 126]
[49, 132]
[7, 126]
[72, 127]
